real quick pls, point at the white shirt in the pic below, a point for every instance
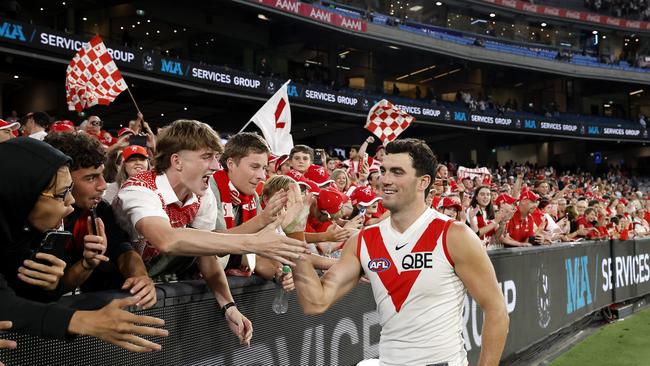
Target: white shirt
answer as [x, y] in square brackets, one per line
[421, 325]
[134, 203]
[38, 135]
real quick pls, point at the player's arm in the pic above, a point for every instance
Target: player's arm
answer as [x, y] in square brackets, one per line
[474, 268]
[316, 295]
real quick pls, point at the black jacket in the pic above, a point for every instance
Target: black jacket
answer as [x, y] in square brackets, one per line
[28, 166]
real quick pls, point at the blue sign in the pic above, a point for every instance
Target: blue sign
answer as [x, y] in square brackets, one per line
[171, 67]
[593, 130]
[12, 31]
[577, 283]
[460, 116]
[530, 123]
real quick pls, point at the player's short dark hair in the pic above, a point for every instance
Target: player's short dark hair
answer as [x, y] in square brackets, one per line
[424, 160]
[85, 151]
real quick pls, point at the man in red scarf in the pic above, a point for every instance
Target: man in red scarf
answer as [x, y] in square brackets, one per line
[243, 163]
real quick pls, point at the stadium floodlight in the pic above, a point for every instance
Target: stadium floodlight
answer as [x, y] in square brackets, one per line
[416, 8]
[438, 3]
[262, 17]
[594, 32]
[492, 15]
[16, 76]
[543, 25]
[393, 47]
[636, 92]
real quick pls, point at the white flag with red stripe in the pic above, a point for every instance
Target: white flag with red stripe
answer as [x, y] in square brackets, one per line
[387, 121]
[92, 77]
[274, 119]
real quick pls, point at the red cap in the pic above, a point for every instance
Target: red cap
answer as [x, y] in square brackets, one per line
[8, 125]
[364, 196]
[528, 195]
[125, 130]
[134, 150]
[318, 174]
[623, 201]
[373, 169]
[294, 174]
[504, 198]
[449, 202]
[62, 126]
[279, 161]
[330, 200]
[272, 158]
[310, 185]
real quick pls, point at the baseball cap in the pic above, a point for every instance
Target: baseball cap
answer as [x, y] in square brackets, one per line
[528, 195]
[8, 125]
[310, 185]
[294, 174]
[448, 202]
[330, 200]
[125, 130]
[134, 150]
[504, 198]
[62, 126]
[279, 161]
[364, 196]
[318, 174]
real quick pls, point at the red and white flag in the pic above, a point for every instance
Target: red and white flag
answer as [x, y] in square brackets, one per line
[274, 119]
[387, 121]
[92, 77]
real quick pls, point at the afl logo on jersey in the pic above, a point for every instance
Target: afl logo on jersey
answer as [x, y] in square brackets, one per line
[379, 265]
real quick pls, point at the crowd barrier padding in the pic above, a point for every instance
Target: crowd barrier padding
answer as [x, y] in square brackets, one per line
[545, 290]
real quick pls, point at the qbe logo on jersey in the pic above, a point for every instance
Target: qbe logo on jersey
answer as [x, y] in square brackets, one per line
[379, 265]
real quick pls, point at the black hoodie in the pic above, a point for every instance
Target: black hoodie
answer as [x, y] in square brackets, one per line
[27, 166]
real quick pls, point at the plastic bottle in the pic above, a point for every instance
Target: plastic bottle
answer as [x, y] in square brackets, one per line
[281, 300]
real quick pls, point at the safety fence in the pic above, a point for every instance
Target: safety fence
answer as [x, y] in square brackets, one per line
[545, 289]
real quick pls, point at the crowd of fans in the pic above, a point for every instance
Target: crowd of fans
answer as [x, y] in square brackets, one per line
[142, 208]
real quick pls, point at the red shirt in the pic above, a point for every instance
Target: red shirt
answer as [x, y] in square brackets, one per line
[520, 229]
[315, 226]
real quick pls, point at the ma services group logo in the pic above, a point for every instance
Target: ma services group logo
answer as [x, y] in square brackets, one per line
[543, 296]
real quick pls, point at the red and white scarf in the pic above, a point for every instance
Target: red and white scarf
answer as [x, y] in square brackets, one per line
[230, 197]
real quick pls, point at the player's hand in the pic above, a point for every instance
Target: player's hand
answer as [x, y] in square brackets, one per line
[6, 325]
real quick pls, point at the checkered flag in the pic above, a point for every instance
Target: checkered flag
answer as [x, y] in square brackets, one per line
[387, 121]
[92, 77]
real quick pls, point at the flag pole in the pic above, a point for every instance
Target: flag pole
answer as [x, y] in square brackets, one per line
[250, 121]
[133, 99]
[246, 125]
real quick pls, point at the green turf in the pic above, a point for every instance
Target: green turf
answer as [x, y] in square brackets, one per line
[625, 342]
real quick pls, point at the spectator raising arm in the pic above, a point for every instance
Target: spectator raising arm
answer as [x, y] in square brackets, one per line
[110, 323]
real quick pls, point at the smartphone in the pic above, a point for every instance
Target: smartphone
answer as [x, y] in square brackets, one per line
[54, 243]
[93, 219]
[445, 182]
[318, 157]
[362, 211]
[138, 140]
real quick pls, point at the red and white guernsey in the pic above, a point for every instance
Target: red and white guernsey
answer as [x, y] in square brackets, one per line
[419, 296]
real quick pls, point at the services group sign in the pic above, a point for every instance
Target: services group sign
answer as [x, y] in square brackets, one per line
[24, 35]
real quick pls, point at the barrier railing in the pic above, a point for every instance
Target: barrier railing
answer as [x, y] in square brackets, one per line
[545, 289]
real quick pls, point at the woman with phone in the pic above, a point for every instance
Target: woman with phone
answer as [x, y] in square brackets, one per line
[32, 202]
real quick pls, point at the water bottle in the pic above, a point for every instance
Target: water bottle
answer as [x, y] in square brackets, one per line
[281, 300]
